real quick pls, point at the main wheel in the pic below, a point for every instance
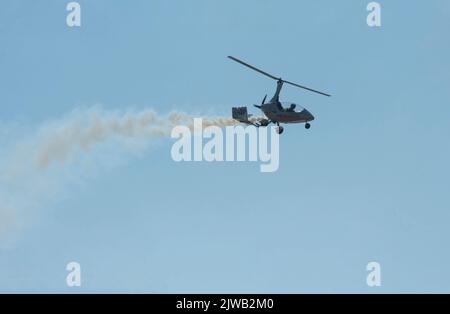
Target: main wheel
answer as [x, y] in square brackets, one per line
[280, 129]
[307, 126]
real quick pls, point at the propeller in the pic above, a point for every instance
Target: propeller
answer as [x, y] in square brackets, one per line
[262, 102]
[276, 78]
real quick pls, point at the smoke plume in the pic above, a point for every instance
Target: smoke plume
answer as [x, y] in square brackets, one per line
[83, 131]
[28, 178]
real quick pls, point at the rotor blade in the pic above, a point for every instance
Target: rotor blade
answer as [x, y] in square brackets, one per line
[253, 68]
[307, 88]
[276, 78]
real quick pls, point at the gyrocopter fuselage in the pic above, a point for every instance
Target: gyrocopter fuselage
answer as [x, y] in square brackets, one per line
[275, 111]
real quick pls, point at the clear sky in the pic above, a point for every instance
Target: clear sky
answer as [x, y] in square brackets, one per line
[368, 182]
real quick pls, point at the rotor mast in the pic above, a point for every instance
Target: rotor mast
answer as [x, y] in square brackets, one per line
[276, 97]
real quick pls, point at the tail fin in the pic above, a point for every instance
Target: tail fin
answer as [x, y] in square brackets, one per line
[240, 114]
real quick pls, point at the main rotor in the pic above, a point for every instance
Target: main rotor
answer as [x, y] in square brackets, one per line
[278, 79]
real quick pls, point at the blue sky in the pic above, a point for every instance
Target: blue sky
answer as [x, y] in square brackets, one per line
[368, 182]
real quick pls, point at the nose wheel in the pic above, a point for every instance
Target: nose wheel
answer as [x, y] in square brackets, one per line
[279, 129]
[307, 126]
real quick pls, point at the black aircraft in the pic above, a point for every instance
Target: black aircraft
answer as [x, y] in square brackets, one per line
[274, 110]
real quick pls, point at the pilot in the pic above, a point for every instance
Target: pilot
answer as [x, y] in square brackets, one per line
[291, 108]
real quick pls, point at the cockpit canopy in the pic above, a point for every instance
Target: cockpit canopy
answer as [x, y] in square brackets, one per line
[290, 106]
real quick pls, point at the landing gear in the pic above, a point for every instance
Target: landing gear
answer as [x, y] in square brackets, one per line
[307, 126]
[279, 129]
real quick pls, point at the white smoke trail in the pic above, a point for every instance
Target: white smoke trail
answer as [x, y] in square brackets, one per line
[26, 177]
[83, 131]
